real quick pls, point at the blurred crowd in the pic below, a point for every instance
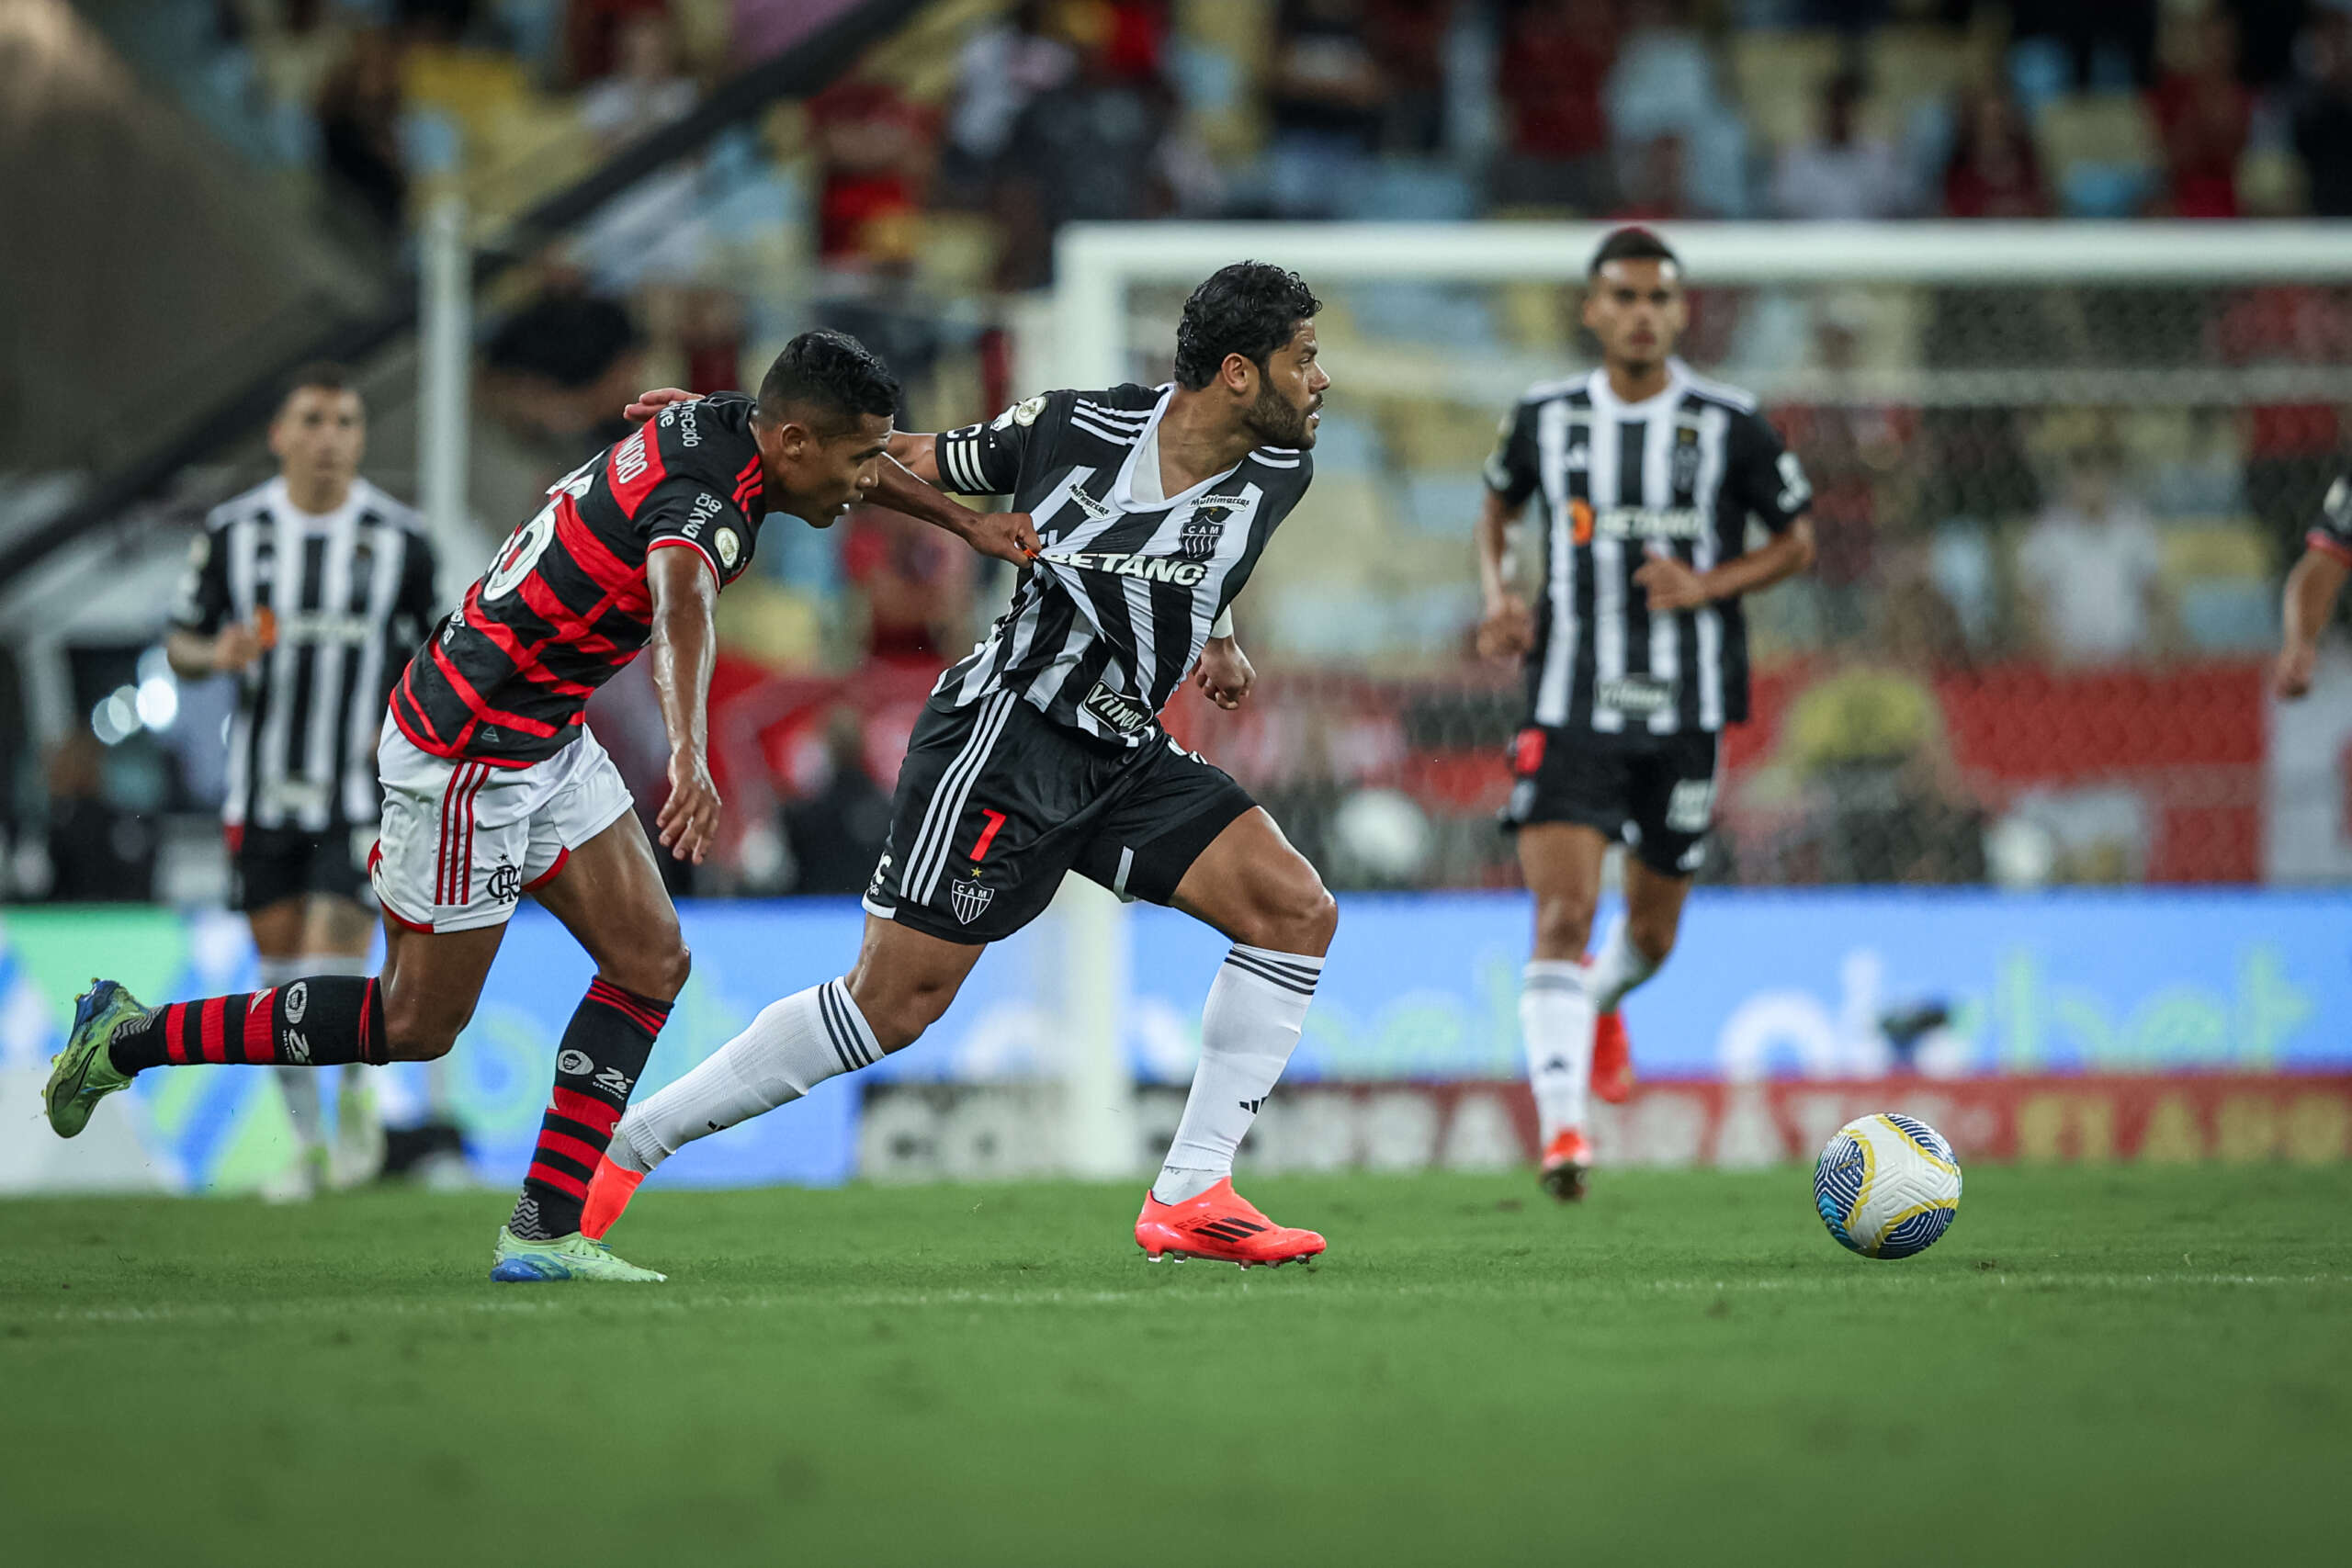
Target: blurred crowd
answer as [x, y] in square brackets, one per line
[1968, 543]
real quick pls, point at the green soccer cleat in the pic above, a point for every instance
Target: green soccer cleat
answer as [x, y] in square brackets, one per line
[83, 1074]
[572, 1256]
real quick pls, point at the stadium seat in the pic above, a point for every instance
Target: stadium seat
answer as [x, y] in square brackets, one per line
[1778, 77]
[2220, 572]
[1906, 64]
[2103, 149]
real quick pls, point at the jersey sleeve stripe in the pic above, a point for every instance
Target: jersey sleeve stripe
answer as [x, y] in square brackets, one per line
[2328, 543]
[954, 463]
[679, 542]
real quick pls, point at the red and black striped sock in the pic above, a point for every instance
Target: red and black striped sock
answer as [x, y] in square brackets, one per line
[321, 1021]
[602, 1052]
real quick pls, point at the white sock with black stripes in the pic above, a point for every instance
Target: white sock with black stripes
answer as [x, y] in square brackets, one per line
[791, 1047]
[1618, 968]
[1257, 1006]
[1555, 1014]
[298, 1087]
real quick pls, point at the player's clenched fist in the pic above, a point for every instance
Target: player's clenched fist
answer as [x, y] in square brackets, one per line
[1509, 629]
[236, 646]
[1669, 584]
[1227, 673]
[689, 819]
[1004, 536]
[2291, 677]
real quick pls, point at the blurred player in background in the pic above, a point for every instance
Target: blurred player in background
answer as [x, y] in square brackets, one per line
[1042, 753]
[313, 589]
[2312, 591]
[1636, 656]
[494, 787]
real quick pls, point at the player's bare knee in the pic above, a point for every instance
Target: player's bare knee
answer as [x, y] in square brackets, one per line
[1294, 914]
[1654, 940]
[658, 971]
[1562, 928]
[898, 1012]
[412, 1034]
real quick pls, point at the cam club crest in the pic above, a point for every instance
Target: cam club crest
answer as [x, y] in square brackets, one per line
[970, 900]
[1202, 530]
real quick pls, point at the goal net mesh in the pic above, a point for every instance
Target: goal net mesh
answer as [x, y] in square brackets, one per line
[2052, 519]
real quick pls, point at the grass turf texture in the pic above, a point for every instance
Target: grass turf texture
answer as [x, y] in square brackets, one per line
[2092, 1363]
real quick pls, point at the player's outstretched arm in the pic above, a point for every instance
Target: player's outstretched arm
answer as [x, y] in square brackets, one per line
[1671, 585]
[686, 596]
[2309, 600]
[906, 480]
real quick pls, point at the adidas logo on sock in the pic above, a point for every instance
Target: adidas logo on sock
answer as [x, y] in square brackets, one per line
[1250, 1105]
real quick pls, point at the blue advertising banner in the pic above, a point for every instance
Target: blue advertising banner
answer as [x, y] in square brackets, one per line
[1797, 984]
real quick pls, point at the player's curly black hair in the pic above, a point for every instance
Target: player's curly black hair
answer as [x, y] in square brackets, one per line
[829, 373]
[1250, 309]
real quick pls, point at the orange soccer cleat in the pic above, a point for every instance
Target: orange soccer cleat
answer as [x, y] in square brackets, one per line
[1612, 1059]
[1567, 1159]
[608, 1195]
[1222, 1225]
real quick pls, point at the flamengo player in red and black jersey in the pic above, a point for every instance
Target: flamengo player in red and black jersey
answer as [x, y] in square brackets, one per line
[494, 787]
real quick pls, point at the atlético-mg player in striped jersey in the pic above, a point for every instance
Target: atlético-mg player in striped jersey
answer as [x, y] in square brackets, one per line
[494, 787]
[1041, 755]
[1636, 655]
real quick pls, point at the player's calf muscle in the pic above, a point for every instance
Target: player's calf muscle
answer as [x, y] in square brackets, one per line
[898, 1008]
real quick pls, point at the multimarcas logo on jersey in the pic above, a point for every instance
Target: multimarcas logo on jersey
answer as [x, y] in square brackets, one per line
[970, 900]
[1119, 563]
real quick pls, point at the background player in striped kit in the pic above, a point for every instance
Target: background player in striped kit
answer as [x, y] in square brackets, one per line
[1042, 753]
[311, 589]
[1636, 655]
[2309, 600]
[494, 787]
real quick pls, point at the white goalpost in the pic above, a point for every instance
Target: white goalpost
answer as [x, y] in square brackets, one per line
[2151, 338]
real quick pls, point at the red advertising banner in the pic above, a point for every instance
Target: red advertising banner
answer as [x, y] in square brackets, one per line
[2232, 1117]
[927, 1132]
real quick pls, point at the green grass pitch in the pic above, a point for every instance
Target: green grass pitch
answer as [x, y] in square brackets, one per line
[2094, 1365]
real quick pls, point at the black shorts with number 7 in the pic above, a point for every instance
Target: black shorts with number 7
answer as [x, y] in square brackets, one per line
[1655, 793]
[995, 802]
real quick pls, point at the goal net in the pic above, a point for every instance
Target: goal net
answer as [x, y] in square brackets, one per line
[2008, 427]
[2058, 470]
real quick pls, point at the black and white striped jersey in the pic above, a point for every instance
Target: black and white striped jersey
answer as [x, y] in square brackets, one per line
[352, 597]
[1109, 620]
[1680, 472]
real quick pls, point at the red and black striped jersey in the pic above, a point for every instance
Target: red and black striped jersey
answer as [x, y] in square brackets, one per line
[507, 677]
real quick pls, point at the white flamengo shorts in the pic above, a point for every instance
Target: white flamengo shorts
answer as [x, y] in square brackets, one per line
[461, 842]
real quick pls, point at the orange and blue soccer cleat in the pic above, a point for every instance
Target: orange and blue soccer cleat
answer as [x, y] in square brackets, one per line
[609, 1191]
[1222, 1225]
[1612, 1059]
[1567, 1159]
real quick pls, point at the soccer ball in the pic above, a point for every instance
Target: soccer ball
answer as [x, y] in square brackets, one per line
[1888, 1186]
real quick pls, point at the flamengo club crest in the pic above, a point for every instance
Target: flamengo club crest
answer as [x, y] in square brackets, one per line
[970, 900]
